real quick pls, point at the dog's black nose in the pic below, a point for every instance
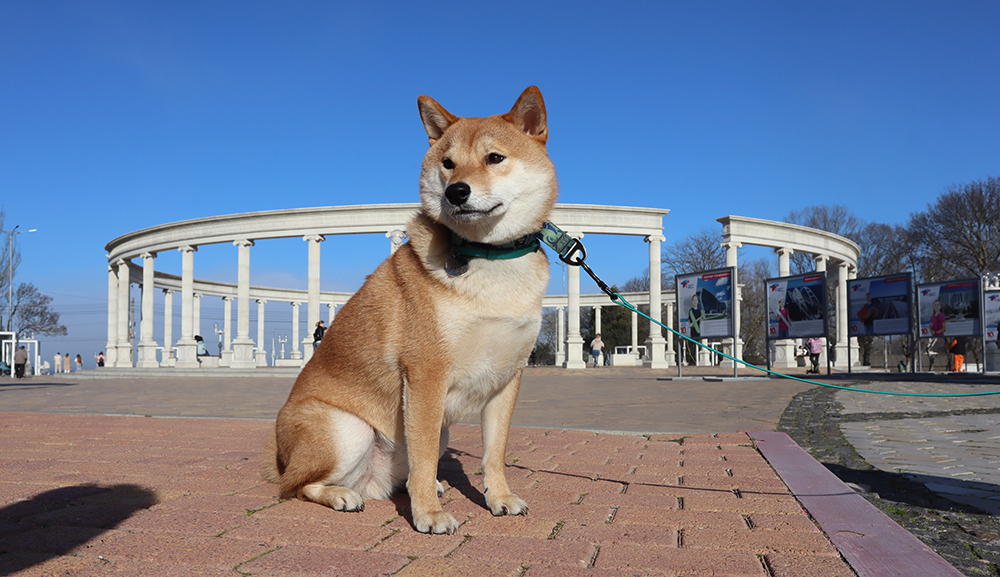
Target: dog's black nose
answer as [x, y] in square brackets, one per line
[458, 193]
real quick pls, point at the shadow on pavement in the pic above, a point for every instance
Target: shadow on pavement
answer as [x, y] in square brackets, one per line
[60, 521]
[32, 384]
[903, 488]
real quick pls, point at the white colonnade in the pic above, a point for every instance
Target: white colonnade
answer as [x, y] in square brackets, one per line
[787, 239]
[314, 226]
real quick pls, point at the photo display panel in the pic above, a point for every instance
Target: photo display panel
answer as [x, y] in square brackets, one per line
[879, 305]
[949, 309]
[705, 303]
[796, 306]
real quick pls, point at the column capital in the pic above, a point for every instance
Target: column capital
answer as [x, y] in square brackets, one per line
[243, 242]
[147, 254]
[314, 238]
[187, 248]
[122, 263]
[261, 301]
[228, 298]
[168, 291]
[729, 244]
[655, 237]
[784, 251]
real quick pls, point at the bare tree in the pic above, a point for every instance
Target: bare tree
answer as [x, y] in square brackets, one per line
[32, 313]
[753, 311]
[959, 234]
[837, 219]
[700, 251]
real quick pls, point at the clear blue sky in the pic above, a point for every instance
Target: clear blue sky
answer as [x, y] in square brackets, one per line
[115, 116]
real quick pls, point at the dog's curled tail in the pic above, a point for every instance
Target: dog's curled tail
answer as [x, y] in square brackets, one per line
[270, 472]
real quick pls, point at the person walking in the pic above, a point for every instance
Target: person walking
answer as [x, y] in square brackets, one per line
[20, 361]
[595, 349]
[957, 347]
[57, 364]
[318, 334]
[815, 347]
[79, 363]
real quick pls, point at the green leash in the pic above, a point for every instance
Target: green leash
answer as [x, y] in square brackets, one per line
[620, 300]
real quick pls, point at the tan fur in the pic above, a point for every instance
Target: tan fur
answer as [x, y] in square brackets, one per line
[416, 350]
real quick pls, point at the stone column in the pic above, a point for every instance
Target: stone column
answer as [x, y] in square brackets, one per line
[243, 357]
[187, 348]
[261, 353]
[226, 354]
[167, 358]
[196, 316]
[844, 275]
[597, 319]
[111, 349]
[655, 344]
[312, 292]
[124, 357]
[561, 336]
[784, 351]
[671, 353]
[821, 264]
[574, 342]
[331, 313]
[635, 339]
[736, 343]
[296, 353]
[147, 346]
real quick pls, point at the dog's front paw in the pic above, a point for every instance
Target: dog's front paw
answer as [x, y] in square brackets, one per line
[437, 522]
[509, 504]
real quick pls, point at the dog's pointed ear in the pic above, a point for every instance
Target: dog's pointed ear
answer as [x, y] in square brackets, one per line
[528, 114]
[436, 119]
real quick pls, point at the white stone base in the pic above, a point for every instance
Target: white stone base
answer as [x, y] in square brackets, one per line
[187, 354]
[288, 362]
[147, 355]
[243, 357]
[624, 360]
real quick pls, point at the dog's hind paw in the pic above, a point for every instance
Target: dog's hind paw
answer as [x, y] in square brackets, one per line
[333, 496]
[437, 522]
[509, 504]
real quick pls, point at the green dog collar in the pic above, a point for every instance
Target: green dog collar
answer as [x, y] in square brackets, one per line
[520, 247]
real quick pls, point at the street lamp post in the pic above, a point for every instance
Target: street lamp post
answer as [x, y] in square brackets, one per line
[10, 272]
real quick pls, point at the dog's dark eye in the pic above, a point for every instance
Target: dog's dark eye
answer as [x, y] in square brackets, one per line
[495, 158]
[448, 164]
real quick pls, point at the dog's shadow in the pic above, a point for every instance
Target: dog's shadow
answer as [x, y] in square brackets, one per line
[452, 474]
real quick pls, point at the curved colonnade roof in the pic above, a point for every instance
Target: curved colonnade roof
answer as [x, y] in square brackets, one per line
[384, 218]
[336, 220]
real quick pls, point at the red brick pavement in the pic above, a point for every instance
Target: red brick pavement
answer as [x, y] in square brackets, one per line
[110, 495]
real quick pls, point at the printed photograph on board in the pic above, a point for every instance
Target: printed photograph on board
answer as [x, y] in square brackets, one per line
[796, 306]
[949, 309]
[992, 315]
[879, 305]
[705, 303]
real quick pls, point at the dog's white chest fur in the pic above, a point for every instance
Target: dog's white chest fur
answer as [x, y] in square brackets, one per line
[490, 325]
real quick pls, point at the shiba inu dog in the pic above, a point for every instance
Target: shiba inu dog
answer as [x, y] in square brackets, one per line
[441, 330]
